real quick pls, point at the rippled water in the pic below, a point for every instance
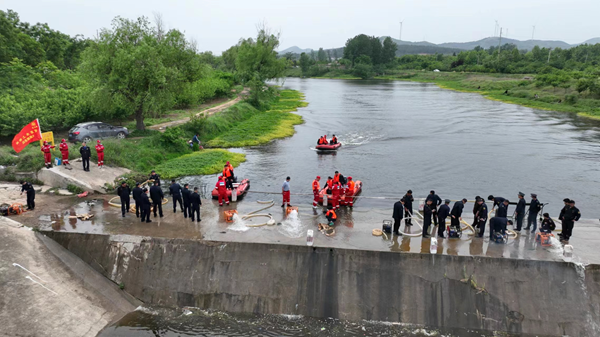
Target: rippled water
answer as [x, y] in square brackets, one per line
[403, 135]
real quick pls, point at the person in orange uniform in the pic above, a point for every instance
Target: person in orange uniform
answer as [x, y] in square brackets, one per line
[330, 215]
[350, 192]
[320, 141]
[336, 177]
[329, 185]
[334, 140]
[100, 152]
[325, 142]
[226, 177]
[46, 148]
[222, 189]
[316, 188]
[232, 176]
[64, 150]
[336, 192]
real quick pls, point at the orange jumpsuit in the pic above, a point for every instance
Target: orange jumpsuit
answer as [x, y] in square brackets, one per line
[100, 151]
[316, 188]
[47, 155]
[222, 189]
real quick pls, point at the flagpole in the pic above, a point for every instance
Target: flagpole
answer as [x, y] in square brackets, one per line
[39, 127]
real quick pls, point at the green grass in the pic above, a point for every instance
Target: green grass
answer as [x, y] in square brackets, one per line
[264, 126]
[199, 163]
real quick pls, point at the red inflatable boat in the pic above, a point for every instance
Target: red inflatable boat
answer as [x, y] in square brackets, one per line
[346, 198]
[240, 189]
[329, 147]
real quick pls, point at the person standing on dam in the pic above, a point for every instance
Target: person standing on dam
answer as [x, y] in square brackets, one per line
[456, 213]
[520, 211]
[481, 216]
[408, 207]
[475, 209]
[571, 215]
[137, 197]
[145, 206]
[186, 193]
[195, 202]
[427, 214]
[397, 215]
[502, 211]
[443, 213]
[285, 192]
[496, 201]
[534, 209]
[316, 187]
[435, 202]
[175, 192]
[123, 192]
[157, 195]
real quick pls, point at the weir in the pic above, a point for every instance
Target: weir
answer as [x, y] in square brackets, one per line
[472, 292]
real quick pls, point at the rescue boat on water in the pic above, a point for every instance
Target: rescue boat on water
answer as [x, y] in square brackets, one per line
[346, 199]
[240, 189]
[329, 147]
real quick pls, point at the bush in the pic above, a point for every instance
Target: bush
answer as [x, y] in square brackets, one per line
[363, 71]
[74, 189]
[571, 99]
[173, 137]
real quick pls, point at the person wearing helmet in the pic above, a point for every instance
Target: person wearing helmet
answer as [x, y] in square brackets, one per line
[46, 148]
[100, 151]
[316, 187]
[64, 151]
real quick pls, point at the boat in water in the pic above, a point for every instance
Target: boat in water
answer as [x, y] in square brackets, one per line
[328, 147]
[240, 189]
[346, 198]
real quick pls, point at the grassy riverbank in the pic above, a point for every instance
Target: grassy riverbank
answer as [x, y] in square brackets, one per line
[522, 89]
[169, 154]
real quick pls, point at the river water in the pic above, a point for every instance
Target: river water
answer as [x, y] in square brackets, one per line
[402, 135]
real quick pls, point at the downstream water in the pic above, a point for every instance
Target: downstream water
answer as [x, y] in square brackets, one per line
[402, 135]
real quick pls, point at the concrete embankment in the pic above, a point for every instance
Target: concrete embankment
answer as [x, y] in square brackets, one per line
[519, 296]
[48, 291]
[93, 181]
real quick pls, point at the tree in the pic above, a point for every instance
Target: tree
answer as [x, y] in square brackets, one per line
[135, 72]
[388, 52]
[321, 56]
[304, 63]
[357, 46]
[258, 63]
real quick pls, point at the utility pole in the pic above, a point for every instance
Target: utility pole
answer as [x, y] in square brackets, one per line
[499, 41]
[496, 28]
[550, 52]
[401, 30]
[533, 32]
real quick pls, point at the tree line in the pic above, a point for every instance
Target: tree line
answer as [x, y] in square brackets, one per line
[135, 68]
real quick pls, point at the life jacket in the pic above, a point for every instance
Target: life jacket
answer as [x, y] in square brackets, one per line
[336, 178]
[334, 140]
[226, 172]
[64, 147]
[351, 186]
[230, 167]
[332, 214]
[329, 183]
[316, 185]
[99, 148]
[320, 141]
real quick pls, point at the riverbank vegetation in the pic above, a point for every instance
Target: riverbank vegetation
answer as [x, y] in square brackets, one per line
[565, 80]
[137, 73]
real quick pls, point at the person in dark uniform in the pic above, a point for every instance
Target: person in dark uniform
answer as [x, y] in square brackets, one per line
[443, 213]
[497, 201]
[561, 217]
[408, 207]
[175, 192]
[571, 215]
[86, 153]
[186, 193]
[123, 192]
[547, 225]
[534, 209]
[520, 211]
[155, 177]
[30, 192]
[481, 216]
[498, 225]
[456, 213]
[145, 205]
[397, 215]
[157, 195]
[436, 201]
[137, 193]
[475, 209]
[427, 213]
[195, 202]
[502, 211]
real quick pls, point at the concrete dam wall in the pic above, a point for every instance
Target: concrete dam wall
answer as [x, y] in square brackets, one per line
[519, 296]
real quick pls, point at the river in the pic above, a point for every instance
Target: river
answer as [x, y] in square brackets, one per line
[403, 135]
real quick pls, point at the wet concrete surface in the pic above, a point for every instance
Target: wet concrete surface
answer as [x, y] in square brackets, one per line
[353, 230]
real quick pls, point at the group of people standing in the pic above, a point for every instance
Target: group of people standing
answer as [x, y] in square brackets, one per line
[84, 150]
[436, 212]
[151, 200]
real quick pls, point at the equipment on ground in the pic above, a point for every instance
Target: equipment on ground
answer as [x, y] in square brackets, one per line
[229, 215]
[4, 209]
[289, 210]
[544, 238]
[454, 232]
[497, 237]
[387, 226]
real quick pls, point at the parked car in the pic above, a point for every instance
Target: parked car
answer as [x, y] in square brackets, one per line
[86, 132]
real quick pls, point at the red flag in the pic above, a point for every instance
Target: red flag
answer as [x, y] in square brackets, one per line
[30, 133]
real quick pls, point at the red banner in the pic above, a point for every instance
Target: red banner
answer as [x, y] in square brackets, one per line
[30, 133]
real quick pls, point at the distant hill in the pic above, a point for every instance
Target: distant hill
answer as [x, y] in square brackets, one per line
[424, 47]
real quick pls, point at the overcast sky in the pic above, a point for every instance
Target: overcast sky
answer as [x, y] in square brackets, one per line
[218, 24]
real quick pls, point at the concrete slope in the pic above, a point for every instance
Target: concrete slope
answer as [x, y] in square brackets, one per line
[496, 294]
[48, 291]
[92, 181]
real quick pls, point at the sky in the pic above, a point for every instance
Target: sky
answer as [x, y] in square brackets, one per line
[216, 25]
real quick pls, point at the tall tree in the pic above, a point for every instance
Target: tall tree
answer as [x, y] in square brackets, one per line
[321, 55]
[304, 63]
[257, 62]
[131, 68]
[388, 52]
[357, 46]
